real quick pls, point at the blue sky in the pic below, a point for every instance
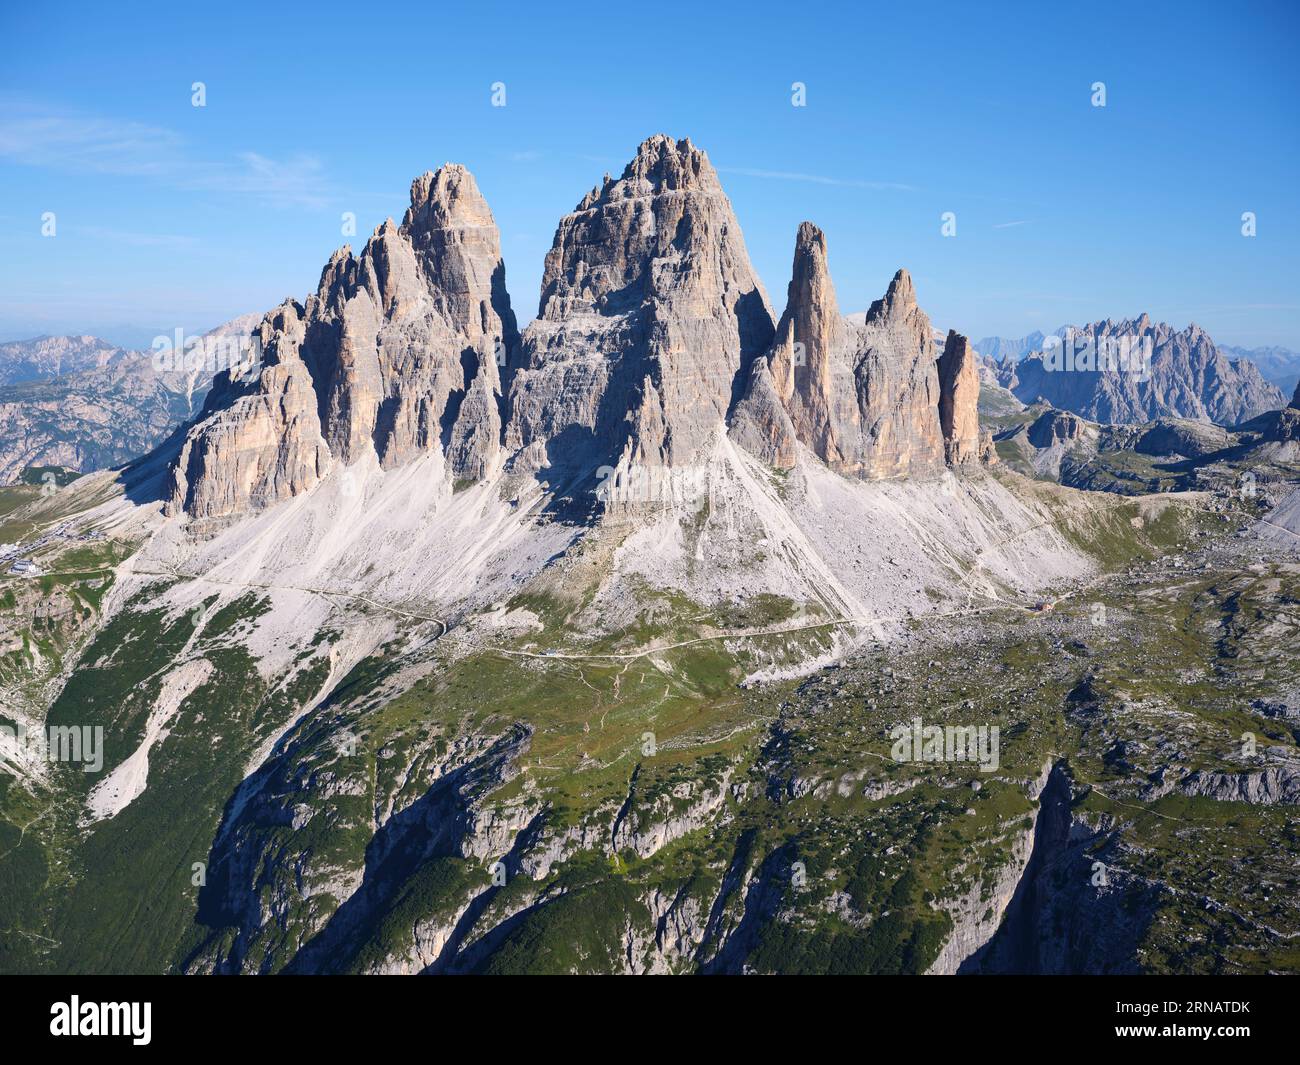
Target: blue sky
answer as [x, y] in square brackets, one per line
[173, 216]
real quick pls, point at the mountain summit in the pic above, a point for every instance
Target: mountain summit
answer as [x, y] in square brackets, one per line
[624, 609]
[649, 310]
[394, 355]
[868, 399]
[654, 338]
[1181, 374]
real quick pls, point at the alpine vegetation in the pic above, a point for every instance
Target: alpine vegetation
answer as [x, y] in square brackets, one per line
[497, 599]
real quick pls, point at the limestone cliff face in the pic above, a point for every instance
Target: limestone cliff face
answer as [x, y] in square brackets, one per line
[868, 399]
[1287, 426]
[649, 311]
[653, 337]
[810, 364]
[959, 390]
[1054, 427]
[396, 352]
[259, 439]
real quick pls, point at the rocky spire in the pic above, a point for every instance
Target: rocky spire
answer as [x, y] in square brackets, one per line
[863, 399]
[959, 390]
[899, 299]
[897, 389]
[649, 312]
[396, 352]
[810, 333]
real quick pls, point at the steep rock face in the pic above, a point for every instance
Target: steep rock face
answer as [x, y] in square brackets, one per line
[1275, 427]
[653, 335]
[1287, 427]
[865, 397]
[897, 387]
[811, 359]
[978, 913]
[1187, 377]
[1056, 427]
[649, 311]
[396, 352]
[259, 439]
[959, 391]
[1269, 786]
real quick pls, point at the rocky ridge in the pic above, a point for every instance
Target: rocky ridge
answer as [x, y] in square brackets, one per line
[867, 398]
[396, 354]
[654, 338]
[1187, 376]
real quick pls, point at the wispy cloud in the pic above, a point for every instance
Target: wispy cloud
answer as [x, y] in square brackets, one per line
[138, 240]
[1009, 225]
[88, 144]
[298, 179]
[816, 179]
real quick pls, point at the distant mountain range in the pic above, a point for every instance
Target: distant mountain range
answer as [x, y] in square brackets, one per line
[45, 357]
[1002, 348]
[1279, 365]
[1172, 373]
[84, 404]
[1169, 454]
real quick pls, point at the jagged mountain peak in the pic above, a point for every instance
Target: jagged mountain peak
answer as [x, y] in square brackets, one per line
[650, 308]
[446, 198]
[395, 355]
[810, 325]
[1140, 325]
[663, 229]
[651, 323]
[661, 164]
[1169, 372]
[668, 164]
[811, 276]
[810, 253]
[867, 399]
[899, 298]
